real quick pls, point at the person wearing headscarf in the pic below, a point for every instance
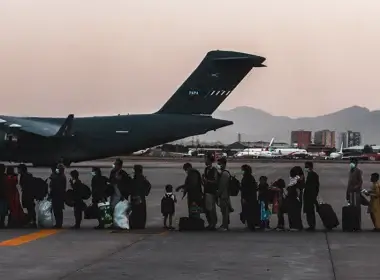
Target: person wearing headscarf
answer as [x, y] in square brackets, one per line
[16, 216]
[249, 204]
[140, 190]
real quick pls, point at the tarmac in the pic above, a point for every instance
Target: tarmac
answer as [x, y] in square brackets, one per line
[158, 254]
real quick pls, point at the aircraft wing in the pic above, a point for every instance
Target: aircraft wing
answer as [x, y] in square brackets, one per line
[38, 127]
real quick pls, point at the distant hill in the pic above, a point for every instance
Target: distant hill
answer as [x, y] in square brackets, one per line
[255, 124]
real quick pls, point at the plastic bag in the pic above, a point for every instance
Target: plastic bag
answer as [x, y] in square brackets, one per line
[44, 214]
[265, 214]
[105, 211]
[121, 214]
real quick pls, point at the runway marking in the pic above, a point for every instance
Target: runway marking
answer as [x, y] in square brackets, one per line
[29, 237]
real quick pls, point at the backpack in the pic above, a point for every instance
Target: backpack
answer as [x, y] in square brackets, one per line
[40, 187]
[167, 205]
[234, 185]
[85, 191]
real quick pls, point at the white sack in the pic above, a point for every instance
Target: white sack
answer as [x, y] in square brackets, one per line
[44, 214]
[121, 214]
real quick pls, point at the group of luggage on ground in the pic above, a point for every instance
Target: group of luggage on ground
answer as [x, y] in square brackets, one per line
[260, 200]
[119, 201]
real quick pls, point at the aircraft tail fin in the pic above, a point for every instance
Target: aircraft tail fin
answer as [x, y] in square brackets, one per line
[341, 148]
[271, 142]
[65, 129]
[211, 83]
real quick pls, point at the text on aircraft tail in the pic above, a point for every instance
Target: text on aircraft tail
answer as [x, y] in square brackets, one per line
[211, 82]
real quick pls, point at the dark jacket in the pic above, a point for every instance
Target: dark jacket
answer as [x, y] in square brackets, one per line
[2, 187]
[264, 193]
[77, 187]
[58, 189]
[249, 188]
[311, 191]
[26, 184]
[311, 186]
[140, 186]
[123, 181]
[193, 186]
[99, 186]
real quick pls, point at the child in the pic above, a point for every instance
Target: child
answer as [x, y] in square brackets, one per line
[264, 197]
[168, 206]
[279, 186]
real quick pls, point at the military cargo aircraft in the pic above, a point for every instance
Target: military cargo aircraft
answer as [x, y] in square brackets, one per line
[44, 141]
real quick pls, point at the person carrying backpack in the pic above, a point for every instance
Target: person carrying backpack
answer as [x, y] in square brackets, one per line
[223, 193]
[168, 206]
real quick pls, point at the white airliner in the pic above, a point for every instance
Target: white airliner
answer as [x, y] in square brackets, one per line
[337, 155]
[271, 153]
[290, 152]
[256, 152]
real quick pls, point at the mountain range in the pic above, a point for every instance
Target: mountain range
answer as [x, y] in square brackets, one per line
[255, 124]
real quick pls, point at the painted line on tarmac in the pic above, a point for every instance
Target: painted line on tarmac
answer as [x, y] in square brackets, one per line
[29, 237]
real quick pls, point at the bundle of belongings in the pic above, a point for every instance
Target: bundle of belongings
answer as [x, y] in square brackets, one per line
[44, 213]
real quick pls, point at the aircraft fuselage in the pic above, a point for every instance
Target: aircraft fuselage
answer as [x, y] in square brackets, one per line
[102, 137]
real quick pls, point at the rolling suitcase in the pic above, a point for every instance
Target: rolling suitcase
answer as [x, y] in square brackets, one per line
[191, 223]
[351, 215]
[328, 216]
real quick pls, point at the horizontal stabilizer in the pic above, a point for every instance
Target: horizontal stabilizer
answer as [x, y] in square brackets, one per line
[211, 83]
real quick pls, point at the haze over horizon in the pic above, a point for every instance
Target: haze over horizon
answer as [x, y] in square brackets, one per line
[124, 57]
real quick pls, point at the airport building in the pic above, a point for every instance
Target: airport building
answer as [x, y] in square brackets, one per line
[300, 138]
[350, 139]
[325, 138]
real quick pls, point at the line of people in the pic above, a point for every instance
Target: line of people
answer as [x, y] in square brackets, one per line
[119, 186]
[259, 200]
[205, 193]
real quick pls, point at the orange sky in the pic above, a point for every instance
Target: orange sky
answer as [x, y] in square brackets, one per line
[122, 56]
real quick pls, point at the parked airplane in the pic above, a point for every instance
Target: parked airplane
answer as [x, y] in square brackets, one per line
[337, 155]
[269, 152]
[44, 141]
[290, 152]
[256, 152]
